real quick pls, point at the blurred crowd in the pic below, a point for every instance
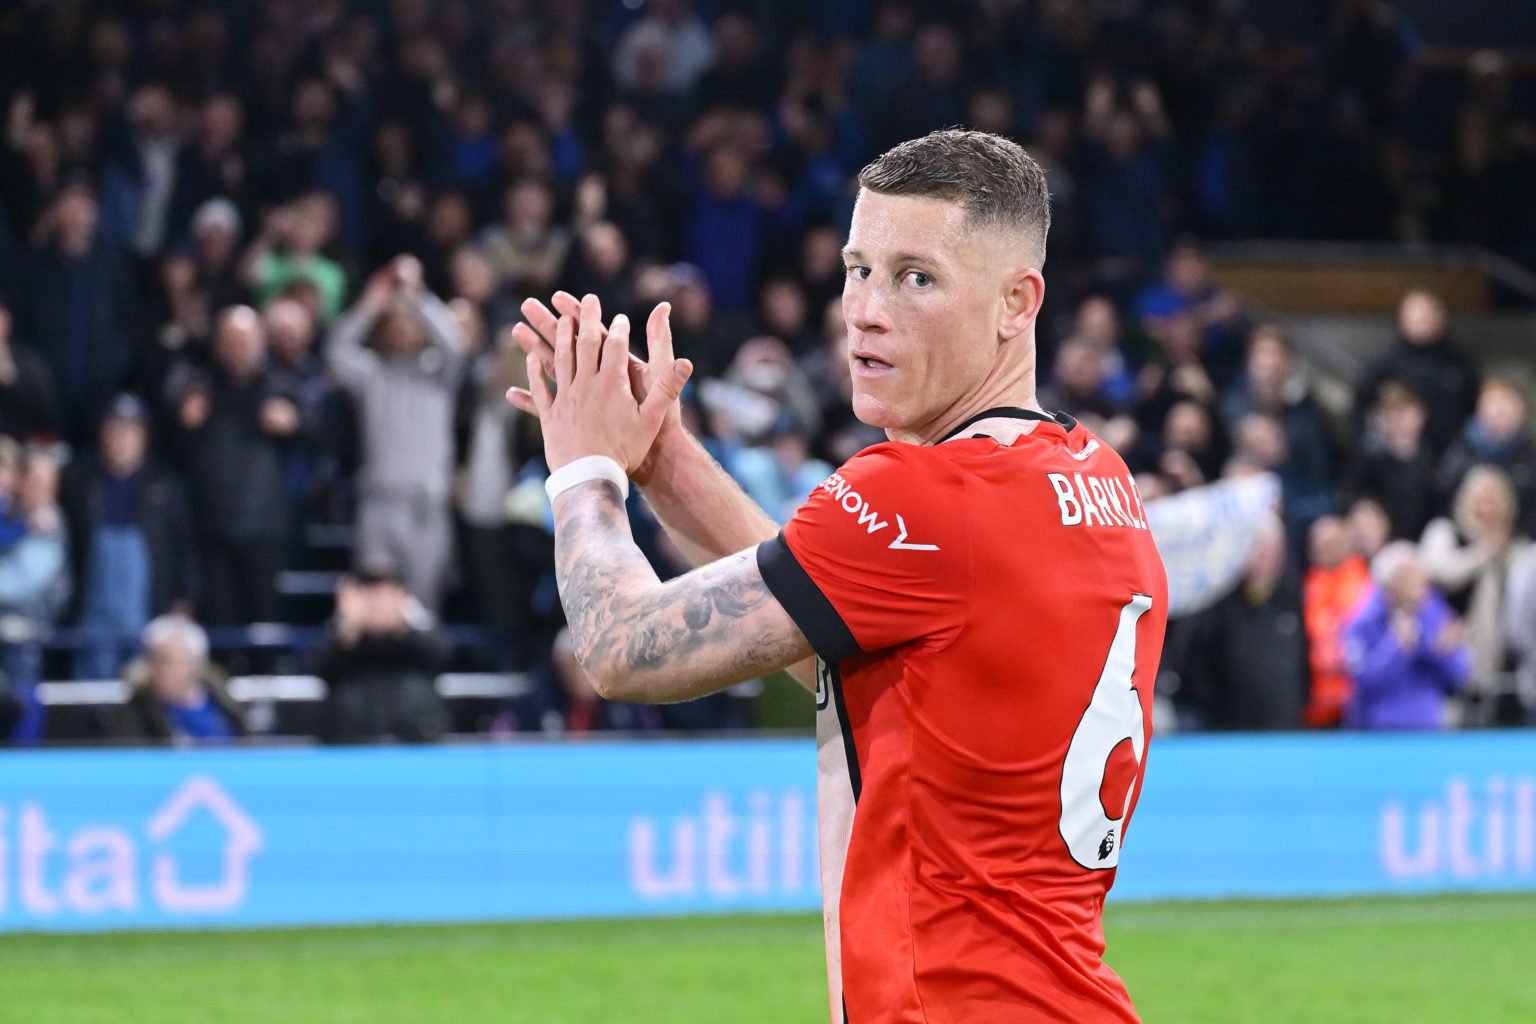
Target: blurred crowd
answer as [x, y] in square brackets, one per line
[258, 262]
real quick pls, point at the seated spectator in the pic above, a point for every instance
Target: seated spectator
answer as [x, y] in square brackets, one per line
[1499, 434]
[380, 657]
[1244, 663]
[1426, 360]
[1396, 465]
[1405, 649]
[34, 570]
[1469, 557]
[401, 355]
[1337, 580]
[129, 525]
[178, 694]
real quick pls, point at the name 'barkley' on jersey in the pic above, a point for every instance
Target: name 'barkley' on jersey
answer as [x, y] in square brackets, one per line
[1088, 500]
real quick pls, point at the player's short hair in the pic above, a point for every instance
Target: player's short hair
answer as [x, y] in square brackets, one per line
[992, 178]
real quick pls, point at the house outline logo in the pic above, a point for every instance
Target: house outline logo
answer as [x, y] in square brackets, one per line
[242, 840]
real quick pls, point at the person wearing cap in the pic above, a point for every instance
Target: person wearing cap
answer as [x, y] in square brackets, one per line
[130, 531]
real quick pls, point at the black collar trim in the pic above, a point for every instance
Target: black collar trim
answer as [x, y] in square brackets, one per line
[1012, 412]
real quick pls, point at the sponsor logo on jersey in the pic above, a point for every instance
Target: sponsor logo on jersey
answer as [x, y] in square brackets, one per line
[855, 504]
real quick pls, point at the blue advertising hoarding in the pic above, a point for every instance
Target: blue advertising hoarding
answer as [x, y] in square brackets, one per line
[252, 837]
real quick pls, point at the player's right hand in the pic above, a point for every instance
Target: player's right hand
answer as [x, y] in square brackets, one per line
[536, 338]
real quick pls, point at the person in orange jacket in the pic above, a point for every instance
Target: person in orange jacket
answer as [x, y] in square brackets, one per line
[1337, 580]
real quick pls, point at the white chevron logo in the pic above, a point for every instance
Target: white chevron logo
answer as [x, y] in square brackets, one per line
[900, 543]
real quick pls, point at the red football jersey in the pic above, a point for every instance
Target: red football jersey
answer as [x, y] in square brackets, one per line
[988, 619]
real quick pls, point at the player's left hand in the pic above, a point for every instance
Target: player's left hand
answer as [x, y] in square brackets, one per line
[662, 369]
[592, 409]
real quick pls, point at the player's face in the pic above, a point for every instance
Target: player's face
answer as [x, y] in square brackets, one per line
[923, 298]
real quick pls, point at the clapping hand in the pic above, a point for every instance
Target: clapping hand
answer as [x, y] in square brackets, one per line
[537, 338]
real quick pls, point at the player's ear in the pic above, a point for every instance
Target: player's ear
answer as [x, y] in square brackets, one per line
[1023, 294]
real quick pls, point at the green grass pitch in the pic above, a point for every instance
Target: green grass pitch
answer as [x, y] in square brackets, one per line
[1462, 959]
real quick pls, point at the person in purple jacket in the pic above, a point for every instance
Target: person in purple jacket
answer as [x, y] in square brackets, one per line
[1405, 648]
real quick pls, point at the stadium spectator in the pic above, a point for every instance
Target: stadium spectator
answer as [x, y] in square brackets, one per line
[1426, 360]
[1193, 450]
[1244, 664]
[75, 302]
[34, 567]
[401, 355]
[778, 473]
[290, 248]
[27, 404]
[129, 526]
[1337, 580]
[1499, 434]
[235, 428]
[601, 262]
[379, 659]
[1520, 629]
[1370, 529]
[365, 132]
[527, 249]
[221, 157]
[1188, 290]
[1272, 385]
[672, 41]
[573, 706]
[1098, 323]
[1127, 145]
[1077, 383]
[1469, 557]
[1405, 648]
[217, 227]
[489, 453]
[1395, 466]
[178, 695]
[147, 186]
[727, 230]
[700, 332]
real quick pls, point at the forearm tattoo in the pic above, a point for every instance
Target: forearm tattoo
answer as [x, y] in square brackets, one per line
[667, 641]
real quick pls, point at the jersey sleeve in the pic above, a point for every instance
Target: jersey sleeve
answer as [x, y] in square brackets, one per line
[879, 555]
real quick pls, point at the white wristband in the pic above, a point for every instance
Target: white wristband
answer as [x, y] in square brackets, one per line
[579, 471]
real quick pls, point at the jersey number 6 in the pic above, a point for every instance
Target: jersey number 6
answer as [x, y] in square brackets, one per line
[1114, 715]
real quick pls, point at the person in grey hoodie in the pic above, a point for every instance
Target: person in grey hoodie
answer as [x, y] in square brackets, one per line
[400, 354]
